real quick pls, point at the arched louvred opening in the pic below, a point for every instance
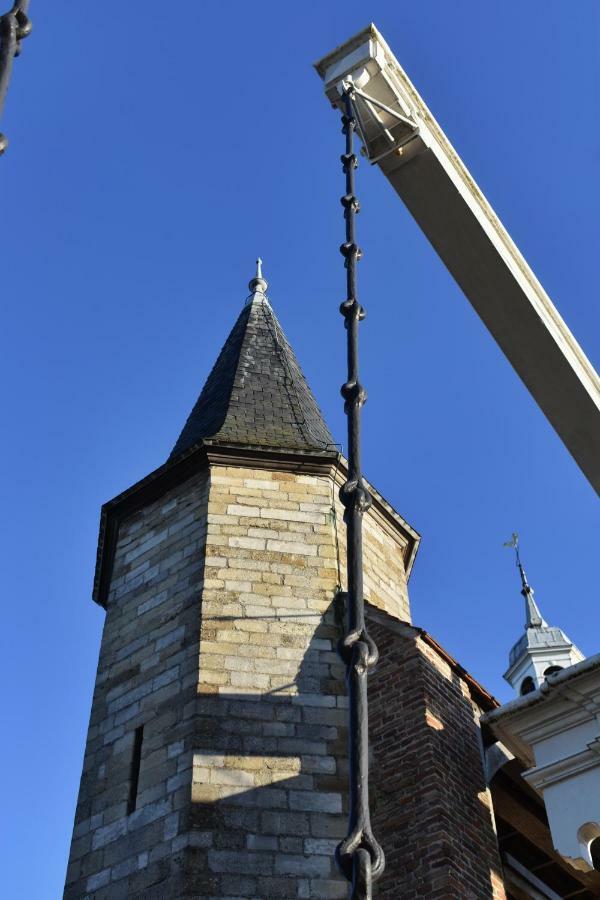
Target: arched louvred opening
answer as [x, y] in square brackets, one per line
[595, 853]
[527, 685]
[589, 842]
[551, 670]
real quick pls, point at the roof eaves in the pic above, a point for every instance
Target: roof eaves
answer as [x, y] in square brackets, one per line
[406, 629]
[546, 689]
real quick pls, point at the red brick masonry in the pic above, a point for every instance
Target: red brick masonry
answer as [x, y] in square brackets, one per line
[430, 805]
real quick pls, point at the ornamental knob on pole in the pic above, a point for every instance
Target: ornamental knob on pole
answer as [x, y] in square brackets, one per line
[258, 284]
[14, 27]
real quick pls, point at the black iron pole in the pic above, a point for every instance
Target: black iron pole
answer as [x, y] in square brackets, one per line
[359, 856]
[14, 26]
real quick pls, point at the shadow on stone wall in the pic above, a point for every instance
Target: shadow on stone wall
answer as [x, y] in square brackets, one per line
[268, 779]
[243, 791]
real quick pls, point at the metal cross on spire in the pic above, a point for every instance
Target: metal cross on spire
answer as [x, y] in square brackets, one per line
[514, 544]
[533, 617]
[14, 26]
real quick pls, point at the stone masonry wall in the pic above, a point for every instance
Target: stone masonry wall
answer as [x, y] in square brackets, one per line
[148, 669]
[431, 808]
[270, 768]
[220, 640]
[269, 765]
[384, 574]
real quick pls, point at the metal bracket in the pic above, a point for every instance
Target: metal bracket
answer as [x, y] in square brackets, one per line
[372, 106]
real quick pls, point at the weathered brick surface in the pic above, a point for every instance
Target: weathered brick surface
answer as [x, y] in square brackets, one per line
[431, 809]
[220, 640]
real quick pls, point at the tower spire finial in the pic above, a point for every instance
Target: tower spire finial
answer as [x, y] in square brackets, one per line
[533, 617]
[542, 649]
[258, 285]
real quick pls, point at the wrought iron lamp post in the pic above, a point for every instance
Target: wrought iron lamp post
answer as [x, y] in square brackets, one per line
[14, 26]
[359, 856]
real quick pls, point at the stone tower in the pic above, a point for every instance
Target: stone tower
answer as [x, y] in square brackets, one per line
[215, 763]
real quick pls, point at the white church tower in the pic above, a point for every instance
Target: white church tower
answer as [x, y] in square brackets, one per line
[542, 649]
[552, 733]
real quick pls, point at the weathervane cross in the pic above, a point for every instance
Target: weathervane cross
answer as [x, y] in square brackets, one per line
[514, 544]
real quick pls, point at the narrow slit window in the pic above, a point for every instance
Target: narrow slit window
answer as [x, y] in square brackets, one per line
[136, 759]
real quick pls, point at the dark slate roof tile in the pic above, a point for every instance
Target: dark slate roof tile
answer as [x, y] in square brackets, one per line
[256, 393]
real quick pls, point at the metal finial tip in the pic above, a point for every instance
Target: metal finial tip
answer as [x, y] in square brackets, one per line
[258, 284]
[533, 617]
[514, 545]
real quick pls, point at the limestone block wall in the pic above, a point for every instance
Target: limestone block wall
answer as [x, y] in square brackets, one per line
[269, 764]
[148, 669]
[269, 771]
[384, 575]
[219, 642]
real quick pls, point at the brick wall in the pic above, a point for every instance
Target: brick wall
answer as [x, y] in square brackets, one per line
[431, 808]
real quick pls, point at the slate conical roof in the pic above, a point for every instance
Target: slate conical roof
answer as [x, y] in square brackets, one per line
[256, 394]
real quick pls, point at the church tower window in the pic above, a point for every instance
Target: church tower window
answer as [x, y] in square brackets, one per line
[595, 853]
[527, 686]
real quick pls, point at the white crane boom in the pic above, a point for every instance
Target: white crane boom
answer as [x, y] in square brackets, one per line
[401, 136]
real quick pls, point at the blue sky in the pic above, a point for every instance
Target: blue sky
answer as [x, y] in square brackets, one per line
[153, 156]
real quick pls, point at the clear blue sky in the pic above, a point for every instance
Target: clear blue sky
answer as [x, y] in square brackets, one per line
[156, 150]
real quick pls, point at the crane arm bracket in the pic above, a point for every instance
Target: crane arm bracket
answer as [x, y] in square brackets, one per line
[402, 137]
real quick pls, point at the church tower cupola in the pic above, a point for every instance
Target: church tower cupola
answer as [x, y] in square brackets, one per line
[543, 649]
